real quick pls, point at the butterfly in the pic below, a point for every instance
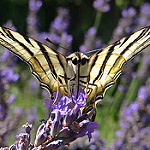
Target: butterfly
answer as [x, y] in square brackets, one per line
[57, 73]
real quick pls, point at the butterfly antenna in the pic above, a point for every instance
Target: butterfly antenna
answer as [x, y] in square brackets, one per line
[94, 50]
[48, 40]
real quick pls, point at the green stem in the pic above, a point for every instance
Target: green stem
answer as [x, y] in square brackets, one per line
[97, 19]
[96, 25]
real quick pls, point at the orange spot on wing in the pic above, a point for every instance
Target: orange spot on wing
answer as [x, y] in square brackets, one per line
[87, 95]
[66, 94]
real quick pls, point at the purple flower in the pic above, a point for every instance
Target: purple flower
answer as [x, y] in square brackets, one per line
[145, 8]
[126, 23]
[8, 75]
[88, 41]
[121, 88]
[34, 84]
[119, 143]
[66, 122]
[65, 42]
[144, 15]
[47, 102]
[59, 25]
[128, 12]
[91, 31]
[32, 21]
[35, 5]
[98, 44]
[83, 48]
[142, 94]
[5, 55]
[11, 98]
[24, 139]
[31, 114]
[61, 22]
[101, 5]
[118, 133]
[54, 37]
[88, 129]
[8, 58]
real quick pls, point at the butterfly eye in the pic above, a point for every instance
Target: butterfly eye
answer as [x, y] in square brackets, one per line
[83, 61]
[74, 60]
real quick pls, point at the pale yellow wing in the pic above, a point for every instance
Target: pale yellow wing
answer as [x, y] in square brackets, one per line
[47, 65]
[106, 65]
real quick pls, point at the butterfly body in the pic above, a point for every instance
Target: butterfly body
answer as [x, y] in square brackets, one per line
[56, 72]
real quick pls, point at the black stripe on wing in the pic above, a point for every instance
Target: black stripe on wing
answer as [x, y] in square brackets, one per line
[21, 44]
[111, 49]
[62, 65]
[130, 44]
[52, 68]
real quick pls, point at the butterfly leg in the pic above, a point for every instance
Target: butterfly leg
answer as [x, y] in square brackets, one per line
[58, 90]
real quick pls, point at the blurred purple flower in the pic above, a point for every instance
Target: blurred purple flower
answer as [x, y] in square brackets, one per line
[35, 5]
[8, 75]
[88, 40]
[31, 114]
[34, 85]
[45, 93]
[83, 48]
[65, 42]
[91, 32]
[128, 12]
[47, 102]
[134, 123]
[147, 59]
[8, 58]
[145, 9]
[118, 133]
[126, 23]
[142, 94]
[61, 22]
[54, 37]
[101, 5]
[119, 143]
[11, 98]
[5, 55]
[144, 15]
[83, 143]
[98, 44]
[32, 21]
[59, 25]
[121, 88]
[134, 106]
[19, 110]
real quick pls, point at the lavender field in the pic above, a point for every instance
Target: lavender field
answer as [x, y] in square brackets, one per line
[123, 117]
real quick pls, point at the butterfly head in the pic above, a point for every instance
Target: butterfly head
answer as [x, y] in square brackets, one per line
[78, 58]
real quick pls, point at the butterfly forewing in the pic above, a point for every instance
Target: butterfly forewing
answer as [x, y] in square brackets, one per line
[46, 64]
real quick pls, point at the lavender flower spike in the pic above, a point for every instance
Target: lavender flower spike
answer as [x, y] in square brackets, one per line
[66, 123]
[101, 5]
[24, 139]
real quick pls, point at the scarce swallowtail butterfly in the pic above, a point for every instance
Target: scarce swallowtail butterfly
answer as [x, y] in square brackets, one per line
[56, 72]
